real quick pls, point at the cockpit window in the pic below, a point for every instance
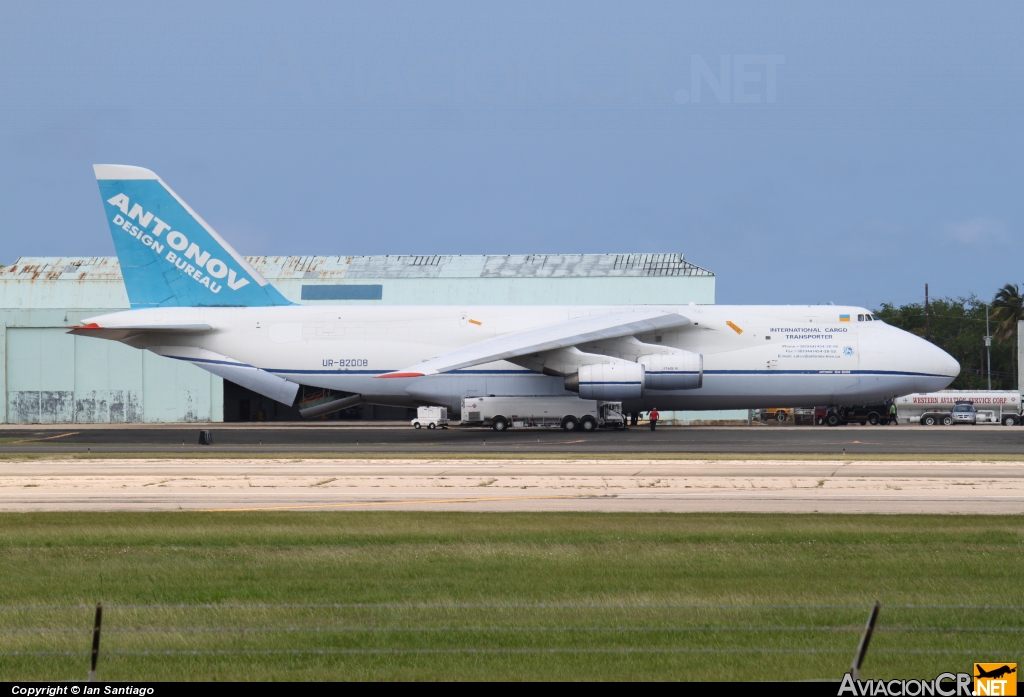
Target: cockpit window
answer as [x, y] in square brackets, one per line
[860, 318]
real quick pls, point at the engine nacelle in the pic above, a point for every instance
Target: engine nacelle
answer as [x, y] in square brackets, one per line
[673, 371]
[612, 381]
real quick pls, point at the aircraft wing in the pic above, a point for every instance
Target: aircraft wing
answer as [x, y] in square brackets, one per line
[553, 336]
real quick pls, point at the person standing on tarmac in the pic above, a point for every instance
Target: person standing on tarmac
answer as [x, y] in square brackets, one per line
[654, 418]
[892, 415]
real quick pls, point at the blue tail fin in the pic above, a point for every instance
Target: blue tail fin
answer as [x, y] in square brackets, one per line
[169, 256]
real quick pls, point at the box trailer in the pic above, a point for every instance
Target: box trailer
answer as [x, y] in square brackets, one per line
[569, 413]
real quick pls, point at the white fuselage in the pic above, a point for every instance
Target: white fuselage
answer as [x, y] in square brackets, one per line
[754, 356]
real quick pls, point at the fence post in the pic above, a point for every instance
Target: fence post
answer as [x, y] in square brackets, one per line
[865, 639]
[96, 640]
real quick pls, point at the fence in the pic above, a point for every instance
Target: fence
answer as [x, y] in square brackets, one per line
[514, 629]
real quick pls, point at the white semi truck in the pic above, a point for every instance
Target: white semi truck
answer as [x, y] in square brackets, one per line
[936, 408]
[568, 413]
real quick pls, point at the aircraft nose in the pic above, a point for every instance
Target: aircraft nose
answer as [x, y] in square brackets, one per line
[912, 364]
[938, 367]
[950, 365]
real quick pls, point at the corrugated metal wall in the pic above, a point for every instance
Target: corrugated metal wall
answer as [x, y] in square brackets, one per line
[53, 377]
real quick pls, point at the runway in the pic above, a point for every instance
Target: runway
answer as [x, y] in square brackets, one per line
[362, 440]
[243, 484]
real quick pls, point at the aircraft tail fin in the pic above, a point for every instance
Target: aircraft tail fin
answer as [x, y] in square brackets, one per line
[169, 256]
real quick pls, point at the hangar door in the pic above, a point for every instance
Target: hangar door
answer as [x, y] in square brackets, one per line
[54, 377]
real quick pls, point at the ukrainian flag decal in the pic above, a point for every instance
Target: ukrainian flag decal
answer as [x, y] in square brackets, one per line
[844, 318]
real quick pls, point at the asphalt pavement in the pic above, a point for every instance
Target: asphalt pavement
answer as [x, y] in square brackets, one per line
[365, 440]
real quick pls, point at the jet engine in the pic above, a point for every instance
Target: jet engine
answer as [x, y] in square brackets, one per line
[673, 371]
[613, 381]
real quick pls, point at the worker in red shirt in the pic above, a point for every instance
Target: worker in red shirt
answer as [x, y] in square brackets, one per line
[654, 418]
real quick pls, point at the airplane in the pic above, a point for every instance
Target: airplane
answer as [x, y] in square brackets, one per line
[194, 298]
[995, 672]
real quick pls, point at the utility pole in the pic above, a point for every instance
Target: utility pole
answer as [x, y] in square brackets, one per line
[988, 348]
[927, 322]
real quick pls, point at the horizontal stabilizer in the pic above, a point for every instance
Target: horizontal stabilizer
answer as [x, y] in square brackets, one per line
[121, 332]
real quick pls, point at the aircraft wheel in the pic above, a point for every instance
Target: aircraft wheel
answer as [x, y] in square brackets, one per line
[498, 423]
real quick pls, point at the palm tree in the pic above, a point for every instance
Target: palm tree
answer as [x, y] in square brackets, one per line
[1008, 310]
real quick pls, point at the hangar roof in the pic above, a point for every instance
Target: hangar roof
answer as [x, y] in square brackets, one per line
[404, 266]
[62, 268]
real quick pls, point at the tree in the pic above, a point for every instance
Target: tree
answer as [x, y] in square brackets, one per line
[1008, 309]
[958, 327]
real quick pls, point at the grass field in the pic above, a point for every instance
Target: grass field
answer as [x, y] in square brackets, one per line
[395, 595]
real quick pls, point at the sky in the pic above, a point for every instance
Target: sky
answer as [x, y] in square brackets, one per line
[803, 152]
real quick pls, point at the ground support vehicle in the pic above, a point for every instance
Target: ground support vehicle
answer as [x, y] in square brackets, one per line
[874, 414]
[568, 413]
[781, 415]
[963, 413]
[933, 418]
[990, 406]
[431, 417]
[803, 416]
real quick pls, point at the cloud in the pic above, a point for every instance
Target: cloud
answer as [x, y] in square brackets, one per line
[977, 230]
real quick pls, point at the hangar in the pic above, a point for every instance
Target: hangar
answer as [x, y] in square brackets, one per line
[50, 376]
